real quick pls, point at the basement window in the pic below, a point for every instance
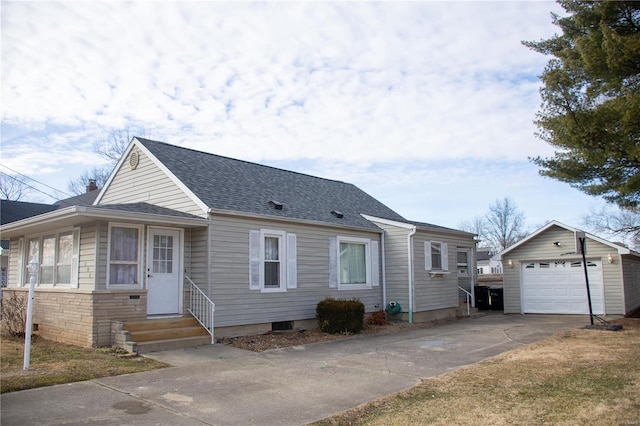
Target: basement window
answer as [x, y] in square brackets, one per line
[281, 325]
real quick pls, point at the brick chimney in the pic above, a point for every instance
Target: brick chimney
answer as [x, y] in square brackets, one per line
[92, 186]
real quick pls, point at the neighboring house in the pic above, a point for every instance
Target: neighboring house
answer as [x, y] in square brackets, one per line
[544, 273]
[265, 244]
[488, 262]
[11, 211]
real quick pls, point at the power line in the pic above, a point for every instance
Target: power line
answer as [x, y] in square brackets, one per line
[30, 186]
[32, 179]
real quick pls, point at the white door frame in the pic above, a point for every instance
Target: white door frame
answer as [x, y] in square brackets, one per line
[149, 262]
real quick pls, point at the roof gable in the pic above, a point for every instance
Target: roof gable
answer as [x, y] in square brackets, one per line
[619, 249]
[229, 185]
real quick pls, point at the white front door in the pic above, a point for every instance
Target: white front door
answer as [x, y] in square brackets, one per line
[163, 272]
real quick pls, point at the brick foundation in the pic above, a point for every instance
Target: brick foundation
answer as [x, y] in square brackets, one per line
[82, 318]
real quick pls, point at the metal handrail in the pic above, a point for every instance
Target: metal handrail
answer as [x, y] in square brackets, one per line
[469, 296]
[202, 308]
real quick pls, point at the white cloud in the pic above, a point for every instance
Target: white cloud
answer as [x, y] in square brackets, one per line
[391, 94]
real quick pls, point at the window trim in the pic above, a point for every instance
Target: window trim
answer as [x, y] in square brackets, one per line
[288, 260]
[444, 258]
[282, 250]
[368, 263]
[467, 251]
[139, 263]
[24, 259]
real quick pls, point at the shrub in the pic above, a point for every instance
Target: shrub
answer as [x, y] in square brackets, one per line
[378, 318]
[14, 314]
[340, 316]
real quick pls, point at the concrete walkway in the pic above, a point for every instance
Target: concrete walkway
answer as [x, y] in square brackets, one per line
[220, 385]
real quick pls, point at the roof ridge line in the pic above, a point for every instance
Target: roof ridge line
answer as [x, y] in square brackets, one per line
[143, 140]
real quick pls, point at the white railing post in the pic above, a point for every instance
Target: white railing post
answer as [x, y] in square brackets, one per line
[202, 308]
[468, 300]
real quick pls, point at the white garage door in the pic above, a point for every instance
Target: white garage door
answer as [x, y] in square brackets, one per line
[558, 287]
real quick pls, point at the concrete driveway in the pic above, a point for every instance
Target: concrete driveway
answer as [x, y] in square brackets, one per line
[220, 385]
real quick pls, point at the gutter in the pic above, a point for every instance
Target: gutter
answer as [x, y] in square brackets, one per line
[384, 274]
[410, 271]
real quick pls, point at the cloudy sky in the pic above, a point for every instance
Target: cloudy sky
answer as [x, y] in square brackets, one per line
[427, 106]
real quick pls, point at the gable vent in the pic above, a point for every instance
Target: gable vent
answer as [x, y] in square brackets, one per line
[337, 214]
[134, 159]
[276, 204]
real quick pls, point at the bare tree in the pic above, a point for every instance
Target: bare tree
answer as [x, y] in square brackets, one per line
[505, 224]
[111, 148]
[79, 184]
[502, 226]
[477, 226]
[623, 224]
[13, 187]
[113, 145]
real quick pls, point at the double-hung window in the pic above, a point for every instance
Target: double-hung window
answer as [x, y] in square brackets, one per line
[57, 256]
[436, 256]
[272, 266]
[353, 263]
[272, 263]
[124, 255]
[463, 256]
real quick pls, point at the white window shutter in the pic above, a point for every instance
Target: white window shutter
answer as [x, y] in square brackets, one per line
[21, 263]
[333, 262]
[427, 255]
[292, 267]
[445, 256]
[254, 260]
[75, 257]
[375, 264]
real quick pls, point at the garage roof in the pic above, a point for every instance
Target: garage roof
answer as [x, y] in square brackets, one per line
[620, 249]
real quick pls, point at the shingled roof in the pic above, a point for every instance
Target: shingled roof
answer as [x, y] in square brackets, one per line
[232, 185]
[12, 211]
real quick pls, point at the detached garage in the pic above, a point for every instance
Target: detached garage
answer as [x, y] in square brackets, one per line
[544, 274]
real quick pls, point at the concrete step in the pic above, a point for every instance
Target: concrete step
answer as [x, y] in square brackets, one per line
[158, 334]
[165, 345]
[160, 323]
[167, 333]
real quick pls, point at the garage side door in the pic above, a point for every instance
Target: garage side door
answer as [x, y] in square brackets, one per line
[558, 287]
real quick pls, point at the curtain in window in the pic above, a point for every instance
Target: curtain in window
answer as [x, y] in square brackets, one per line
[124, 256]
[124, 244]
[353, 268]
[65, 250]
[48, 259]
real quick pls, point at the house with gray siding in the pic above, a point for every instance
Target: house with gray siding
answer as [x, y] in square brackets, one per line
[544, 273]
[242, 247]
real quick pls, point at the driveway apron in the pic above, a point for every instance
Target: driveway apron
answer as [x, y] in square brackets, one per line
[220, 385]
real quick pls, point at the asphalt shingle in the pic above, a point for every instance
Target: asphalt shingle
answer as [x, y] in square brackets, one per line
[228, 184]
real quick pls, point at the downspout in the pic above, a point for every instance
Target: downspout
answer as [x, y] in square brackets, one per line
[410, 271]
[384, 273]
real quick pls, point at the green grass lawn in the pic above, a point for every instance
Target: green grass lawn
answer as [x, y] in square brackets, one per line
[55, 363]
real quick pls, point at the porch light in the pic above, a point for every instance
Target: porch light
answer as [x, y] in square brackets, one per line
[510, 263]
[609, 258]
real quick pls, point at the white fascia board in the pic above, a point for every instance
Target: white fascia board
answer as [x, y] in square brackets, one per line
[161, 166]
[77, 214]
[388, 222]
[619, 249]
[115, 170]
